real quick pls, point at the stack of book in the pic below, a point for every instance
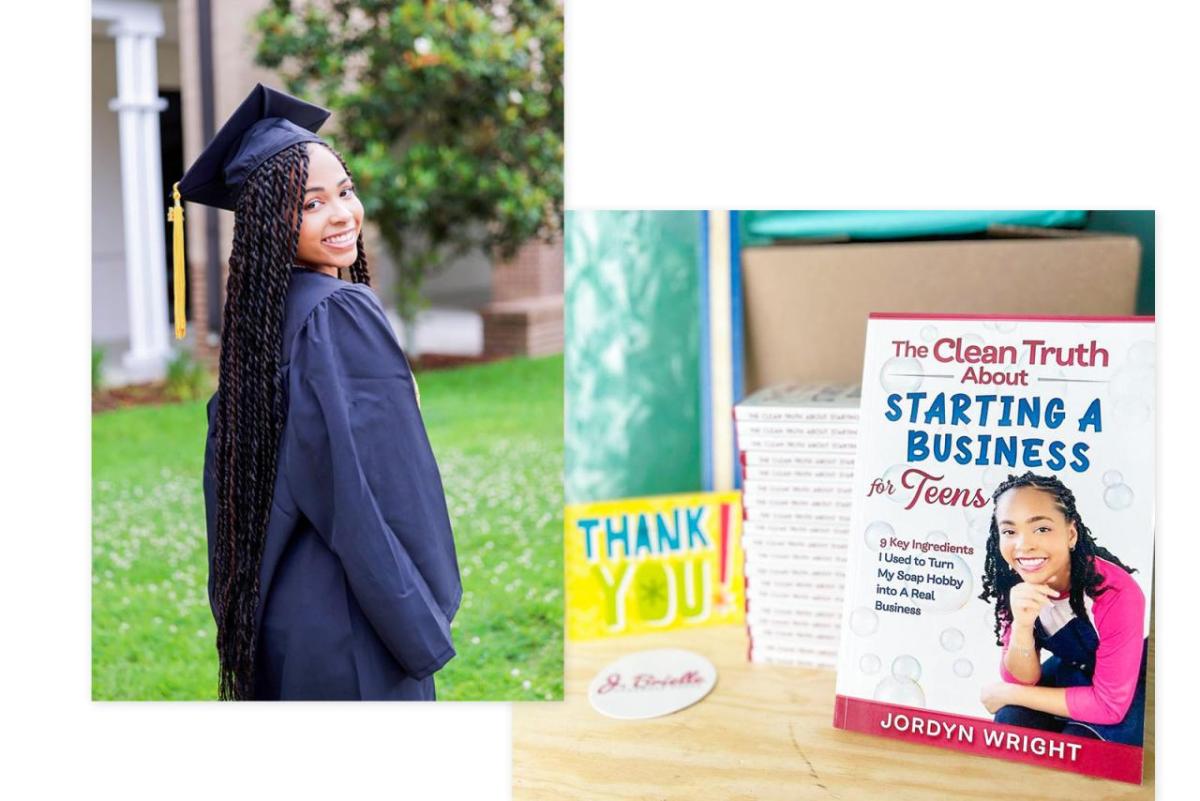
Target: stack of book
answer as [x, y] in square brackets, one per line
[797, 444]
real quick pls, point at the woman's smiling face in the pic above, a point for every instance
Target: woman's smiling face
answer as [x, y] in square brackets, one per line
[332, 213]
[1035, 537]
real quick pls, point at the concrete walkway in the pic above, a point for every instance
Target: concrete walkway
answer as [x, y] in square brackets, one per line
[441, 330]
[453, 332]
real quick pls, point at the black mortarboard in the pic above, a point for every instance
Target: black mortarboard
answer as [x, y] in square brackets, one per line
[265, 123]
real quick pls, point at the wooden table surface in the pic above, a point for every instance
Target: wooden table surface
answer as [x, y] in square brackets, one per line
[764, 732]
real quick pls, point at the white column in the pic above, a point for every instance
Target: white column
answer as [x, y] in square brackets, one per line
[138, 105]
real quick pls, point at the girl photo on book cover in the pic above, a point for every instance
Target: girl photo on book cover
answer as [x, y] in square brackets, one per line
[1057, 591]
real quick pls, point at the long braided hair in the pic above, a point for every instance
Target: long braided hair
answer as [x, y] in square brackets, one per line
[999, 578]
[251, 399]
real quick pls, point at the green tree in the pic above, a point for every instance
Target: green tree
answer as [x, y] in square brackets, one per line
[449, 114]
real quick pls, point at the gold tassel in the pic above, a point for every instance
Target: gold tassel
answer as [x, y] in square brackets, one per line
[175, 215]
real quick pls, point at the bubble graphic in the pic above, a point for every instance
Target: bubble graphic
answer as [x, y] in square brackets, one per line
[906, 692]
[900, 494]
[936, 536]
[1131, 390]
[978, 530]
[1006, 326]
[1141, 354]
[1112, 478]
[950, 586]
[988, 613]
[906, 667]
[971, 339]
[1132, 410]
[979, 522]
[952, 639]
[864, 622]
[869, 664]
[929, 333]
[876, 531]
[993, 477]
[1118, 496]
[1131, 381]
[900, 374]
[963, 668]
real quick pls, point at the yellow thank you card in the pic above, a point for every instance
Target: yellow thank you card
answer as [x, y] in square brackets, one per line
[648, 564]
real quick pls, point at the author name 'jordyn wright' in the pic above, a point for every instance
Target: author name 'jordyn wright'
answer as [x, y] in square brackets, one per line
[999, 739]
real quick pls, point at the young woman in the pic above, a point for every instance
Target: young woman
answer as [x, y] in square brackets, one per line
[1057, 590]
[333, 572]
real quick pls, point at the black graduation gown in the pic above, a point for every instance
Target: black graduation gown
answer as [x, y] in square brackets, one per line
[359, 579]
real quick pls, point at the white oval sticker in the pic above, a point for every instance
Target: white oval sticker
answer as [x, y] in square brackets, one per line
[649, 684]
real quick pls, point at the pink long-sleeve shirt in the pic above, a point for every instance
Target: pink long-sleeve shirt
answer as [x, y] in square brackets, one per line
[1117, 614]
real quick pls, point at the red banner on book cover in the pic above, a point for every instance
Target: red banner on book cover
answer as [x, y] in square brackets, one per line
[981, 736]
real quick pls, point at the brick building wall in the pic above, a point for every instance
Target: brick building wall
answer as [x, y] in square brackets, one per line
[525, 317]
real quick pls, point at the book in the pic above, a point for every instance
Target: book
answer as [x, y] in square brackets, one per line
[805, 476]
[655, 563]
[778, 460]
[1001, 539]
[797, 444]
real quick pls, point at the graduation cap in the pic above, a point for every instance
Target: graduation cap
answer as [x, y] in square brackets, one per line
[266, 122]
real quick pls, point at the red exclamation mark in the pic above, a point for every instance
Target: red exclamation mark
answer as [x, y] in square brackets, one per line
[724, 544]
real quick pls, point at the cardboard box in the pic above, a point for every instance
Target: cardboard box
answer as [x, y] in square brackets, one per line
[806, 305]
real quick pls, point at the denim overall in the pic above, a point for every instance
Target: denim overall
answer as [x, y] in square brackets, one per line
[1072, 664]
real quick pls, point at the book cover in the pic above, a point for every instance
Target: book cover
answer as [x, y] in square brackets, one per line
[1002, 538]
[655, 563]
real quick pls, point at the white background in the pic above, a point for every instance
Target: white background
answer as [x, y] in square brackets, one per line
[670, 104]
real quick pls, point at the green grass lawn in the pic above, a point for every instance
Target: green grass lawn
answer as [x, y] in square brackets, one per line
[497, 432]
